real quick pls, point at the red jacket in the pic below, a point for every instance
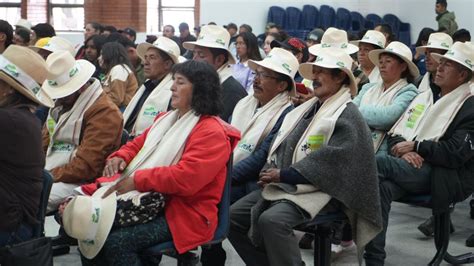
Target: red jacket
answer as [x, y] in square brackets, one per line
[194, 185]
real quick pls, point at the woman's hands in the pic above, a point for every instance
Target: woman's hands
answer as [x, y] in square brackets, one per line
[113, 166]
[270, 175]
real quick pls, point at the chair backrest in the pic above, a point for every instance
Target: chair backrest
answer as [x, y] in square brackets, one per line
[277, 15]
[358, 21]
[394, 22]
[327, 17]
[374, 19]
[404, 34]
[38, 230]
[343, 19]
[293, 18]
[223, 207]
[310, 17]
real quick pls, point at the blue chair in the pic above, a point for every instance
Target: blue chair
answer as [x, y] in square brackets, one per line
[343, 19]
[277, 15]
[322, 226]
[38, 229]
[310, 17]
[394, 22]
[327, 17]
[442, 223]
[293, 18]
[404, 35]
[357, 23]
[189, 258]
[372, 20]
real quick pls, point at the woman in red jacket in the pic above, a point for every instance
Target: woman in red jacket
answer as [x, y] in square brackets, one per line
[182, 155]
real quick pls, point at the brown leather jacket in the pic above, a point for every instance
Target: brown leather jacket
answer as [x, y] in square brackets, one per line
[100, 135]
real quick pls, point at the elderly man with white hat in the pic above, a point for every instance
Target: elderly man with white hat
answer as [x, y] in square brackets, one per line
[82, 129]
[370, 41]
[431, 148]
[154, 96]
[313, 158]
[212, 46]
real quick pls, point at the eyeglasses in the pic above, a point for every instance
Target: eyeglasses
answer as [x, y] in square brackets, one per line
[261, 75]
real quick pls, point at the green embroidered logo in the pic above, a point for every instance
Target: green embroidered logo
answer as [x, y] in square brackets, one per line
[95, 216]
[341, 64]
[468, 62]
[35, 90]
[287, 67]
[380, 43]
[246, 146]
[325, 45]
[73, 72]
[88, 242]
[52, 83]
[365, 38]
[150, 111]
[319, 59]
[62, 147]
[414, 114]
[450, 52]
[390, 49]
[313, 143]
[344, 45]
[201, 37]
[220, 41]
[443, 44]
[12, 70]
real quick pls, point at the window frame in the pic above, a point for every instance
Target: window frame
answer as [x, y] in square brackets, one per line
[52, 5]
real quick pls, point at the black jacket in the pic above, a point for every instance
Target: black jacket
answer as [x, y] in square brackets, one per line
[232, 92]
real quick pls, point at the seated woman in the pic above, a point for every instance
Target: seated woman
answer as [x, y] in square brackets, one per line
[21, 156]
[382, 103]
[315, 156]
[182, 155]
[247, 49]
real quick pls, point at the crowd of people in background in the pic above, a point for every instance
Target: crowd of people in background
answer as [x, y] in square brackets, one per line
[311, 124]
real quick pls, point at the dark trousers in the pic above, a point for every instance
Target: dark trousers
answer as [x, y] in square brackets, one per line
[397, 178]
[275, 224]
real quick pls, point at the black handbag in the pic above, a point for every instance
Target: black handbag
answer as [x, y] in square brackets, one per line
[34, 252]
[151, 206]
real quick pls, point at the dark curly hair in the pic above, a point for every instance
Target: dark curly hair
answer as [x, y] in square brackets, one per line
[206, 95]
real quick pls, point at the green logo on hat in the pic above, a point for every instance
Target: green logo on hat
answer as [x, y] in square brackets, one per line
[319, 59]
[380, 43]
[11, 69]
[450, 52]
[52, 83]
[35, 90]
[325, 45]
[344, 45]
[390, 49]
[73, 72]
[468, 62]
[287, 67]
[201, 37]
[341, 64]
[96, 215]
[365, 38]
[445, 45]
[220, 41]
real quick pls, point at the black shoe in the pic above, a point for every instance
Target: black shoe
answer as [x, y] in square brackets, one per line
[470, 241]
[63, 239]
[306, 241]
[213, 255]
[472, 208]
[427, 227]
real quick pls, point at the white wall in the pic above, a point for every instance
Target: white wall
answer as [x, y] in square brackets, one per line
[419, 13]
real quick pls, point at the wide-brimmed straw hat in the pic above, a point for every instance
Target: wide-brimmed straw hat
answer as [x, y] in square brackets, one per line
[24, 70]
[24, 24]
[89, 220]
[334, 38]
[461, 53]
[372, 37]
[66, 75]
[280, 61]
[212, 36]
[437, 40]
[162, 43]
[400, 50]
[331, 58]
[55, 44]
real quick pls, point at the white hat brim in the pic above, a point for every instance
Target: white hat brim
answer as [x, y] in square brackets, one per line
[437, 57]
[191, 45]
[306, 71]
[41, 98]
[421, 49]
[109, 207]
[350, 49]
[142, 48]
[86, 71]
[374, 58]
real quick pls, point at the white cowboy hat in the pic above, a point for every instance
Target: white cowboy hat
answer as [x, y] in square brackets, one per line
[66, 75]
[162, 43]
[280, 61]
[334, 38]
[24, 23]
[55, 44]
[400, 50]
[372, 37]
[89, 220]
[24, 70]
[437, 40]
[212, 36]
[461, 53]
[331, 58]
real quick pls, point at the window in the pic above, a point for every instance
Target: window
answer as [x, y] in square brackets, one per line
[67, 15]
[10, 10]
[169, 12]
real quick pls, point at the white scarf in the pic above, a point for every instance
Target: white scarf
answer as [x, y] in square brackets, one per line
[442, 113]
[157, 102]
[374, 75]
[378, 96]
[225, 72]
[316, 135]
[409, 122]
[65, 133]
[255, 124]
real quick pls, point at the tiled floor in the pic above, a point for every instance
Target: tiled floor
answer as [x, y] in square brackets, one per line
[405, 244]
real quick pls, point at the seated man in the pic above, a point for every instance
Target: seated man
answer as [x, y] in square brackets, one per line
[314, 157]
[154, 95]
[82, 129]
[431, 146]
